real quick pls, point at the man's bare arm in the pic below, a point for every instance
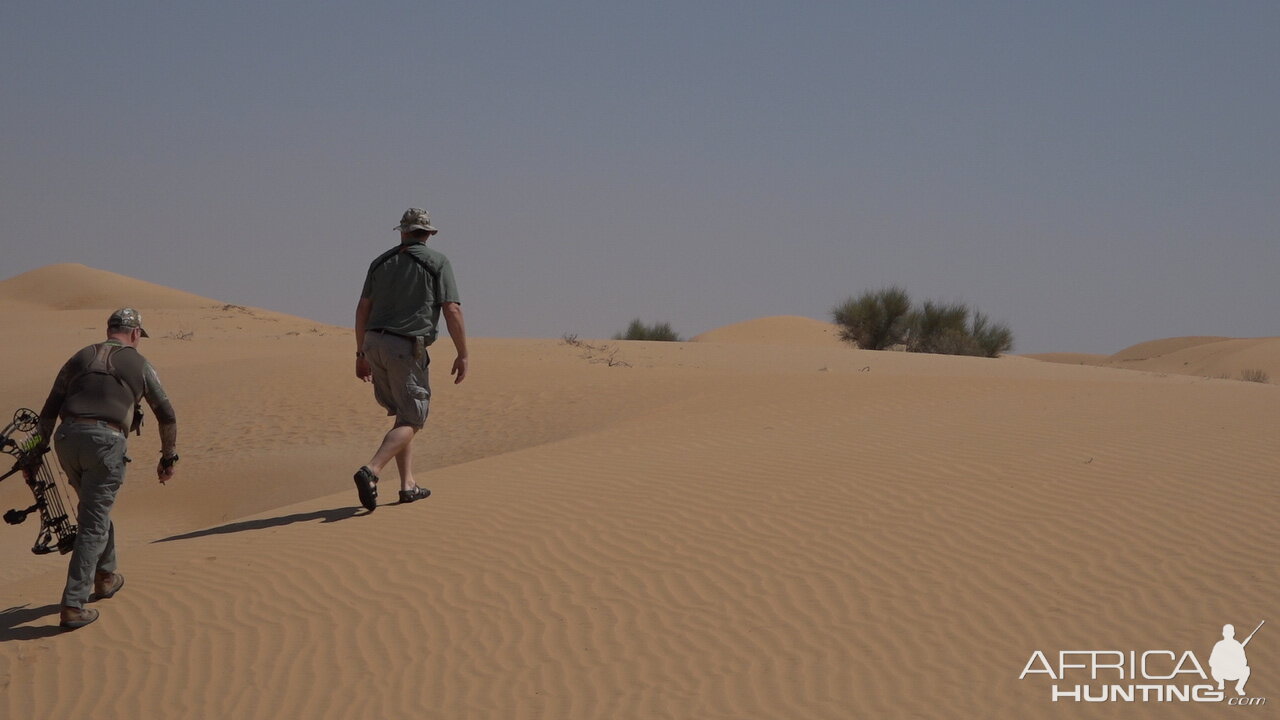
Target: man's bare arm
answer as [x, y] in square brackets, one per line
[363, 308]
[457, 331]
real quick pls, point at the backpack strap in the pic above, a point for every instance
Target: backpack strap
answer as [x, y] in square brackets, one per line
[383, 258]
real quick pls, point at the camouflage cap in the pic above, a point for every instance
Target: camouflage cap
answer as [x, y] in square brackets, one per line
[415, 219]
[128, 319]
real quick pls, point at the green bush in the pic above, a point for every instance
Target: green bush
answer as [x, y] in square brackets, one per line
[992, 338]
[940, 328]
[881, 319]
[874, 320]
[639, 331]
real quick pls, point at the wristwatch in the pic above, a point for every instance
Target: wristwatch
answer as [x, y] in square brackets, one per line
[168, 462]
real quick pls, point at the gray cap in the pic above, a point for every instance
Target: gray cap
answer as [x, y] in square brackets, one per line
[415, 219]
[128, 319]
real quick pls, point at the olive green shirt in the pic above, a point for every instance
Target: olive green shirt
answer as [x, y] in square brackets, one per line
[407, 286]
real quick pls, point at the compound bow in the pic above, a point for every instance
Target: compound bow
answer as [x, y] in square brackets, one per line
[19, 439]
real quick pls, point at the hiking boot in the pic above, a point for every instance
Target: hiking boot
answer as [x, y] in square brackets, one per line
[107, 584]
[73, 618]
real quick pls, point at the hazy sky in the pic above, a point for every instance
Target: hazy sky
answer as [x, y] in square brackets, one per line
[1094, 174]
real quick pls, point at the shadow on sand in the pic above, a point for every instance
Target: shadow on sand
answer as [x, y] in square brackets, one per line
[12, 619]
[325, 516]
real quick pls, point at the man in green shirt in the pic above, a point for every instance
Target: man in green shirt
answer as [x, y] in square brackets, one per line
[398, 317]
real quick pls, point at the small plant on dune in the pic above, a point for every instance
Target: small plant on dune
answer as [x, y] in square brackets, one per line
[603, 354]
[637, 330]
[882, 319]
[875, 320]
[1255, 375]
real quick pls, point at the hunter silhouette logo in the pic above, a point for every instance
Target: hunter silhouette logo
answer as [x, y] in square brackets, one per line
[1228, 661]
[1149, 675]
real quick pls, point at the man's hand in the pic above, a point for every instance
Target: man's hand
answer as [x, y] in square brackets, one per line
[165, 474]
[459, 369]
[31, 463]
[364, 370]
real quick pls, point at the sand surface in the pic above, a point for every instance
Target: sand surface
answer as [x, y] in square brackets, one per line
[732, 528]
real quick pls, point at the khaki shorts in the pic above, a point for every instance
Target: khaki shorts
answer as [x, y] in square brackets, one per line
[399, 382]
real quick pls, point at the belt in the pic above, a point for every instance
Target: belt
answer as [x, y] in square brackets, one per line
[97, 421]
[381, 331]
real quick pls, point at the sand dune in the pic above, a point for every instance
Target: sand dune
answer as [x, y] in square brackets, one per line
[71, 286]
[1070, 358]
[1164, 346]
[716, 529]
[779, 330]
[1212, 357]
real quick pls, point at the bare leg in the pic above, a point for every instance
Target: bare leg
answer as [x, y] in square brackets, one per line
[404, 463]
[393, 443]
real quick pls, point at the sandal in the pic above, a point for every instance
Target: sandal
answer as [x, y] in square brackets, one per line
[367, 487]
[418, 493]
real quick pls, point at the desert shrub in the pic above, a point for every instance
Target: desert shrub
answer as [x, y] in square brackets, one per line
[884, 318]
[874, 320]
[1255, 375]
[940, 328]
[991, 338]
[637, 330]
